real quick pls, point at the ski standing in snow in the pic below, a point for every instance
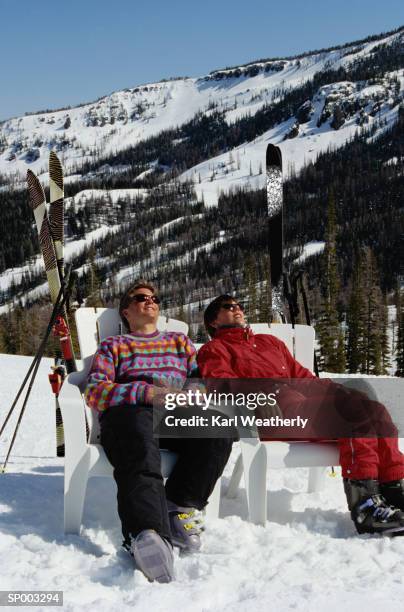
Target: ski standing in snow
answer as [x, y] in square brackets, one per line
[275, 221]
[51, 239]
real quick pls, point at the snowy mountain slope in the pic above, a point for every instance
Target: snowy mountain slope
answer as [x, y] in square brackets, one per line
[243, 166]
[114, 195]
[247, 99]
[72, 249]
[301, 142]
[132, 115]
[307, 558]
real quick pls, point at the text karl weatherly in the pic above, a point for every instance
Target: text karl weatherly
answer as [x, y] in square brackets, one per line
[234, 421]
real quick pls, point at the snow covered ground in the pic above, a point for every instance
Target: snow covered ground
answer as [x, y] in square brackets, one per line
[308, 558]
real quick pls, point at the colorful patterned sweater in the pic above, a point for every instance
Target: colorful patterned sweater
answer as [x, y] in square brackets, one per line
[125, 367]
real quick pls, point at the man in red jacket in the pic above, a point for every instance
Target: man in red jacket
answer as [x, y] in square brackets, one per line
[372, 467]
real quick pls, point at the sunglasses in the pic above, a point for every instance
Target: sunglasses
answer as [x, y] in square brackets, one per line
[232, 307]
[143, 297]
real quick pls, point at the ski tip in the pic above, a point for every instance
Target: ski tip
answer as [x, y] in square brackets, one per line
[53, 158]
[55, 169]
[32, 179]
[274, 156]
[35, 189]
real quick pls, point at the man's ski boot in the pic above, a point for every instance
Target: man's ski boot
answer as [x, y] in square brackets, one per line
[153, 556]
[393, 493]
[186, 527]
[369, 510]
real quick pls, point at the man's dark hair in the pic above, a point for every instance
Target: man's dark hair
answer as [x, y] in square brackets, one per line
[212, 310]
[129, 293]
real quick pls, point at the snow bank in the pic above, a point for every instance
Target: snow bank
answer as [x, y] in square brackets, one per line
[308, 558]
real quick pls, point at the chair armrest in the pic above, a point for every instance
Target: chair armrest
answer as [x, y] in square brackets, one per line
[73, 414]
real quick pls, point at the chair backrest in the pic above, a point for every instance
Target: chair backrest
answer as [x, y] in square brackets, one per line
[95, 324]
[298, 339]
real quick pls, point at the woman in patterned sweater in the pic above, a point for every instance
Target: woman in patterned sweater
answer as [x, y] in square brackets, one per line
[129, 372]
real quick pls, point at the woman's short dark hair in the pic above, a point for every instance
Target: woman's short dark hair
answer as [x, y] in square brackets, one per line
[129, 293]
[212, 310]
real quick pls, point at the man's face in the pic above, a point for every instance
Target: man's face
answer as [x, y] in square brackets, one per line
[230, 313]
[139, 313]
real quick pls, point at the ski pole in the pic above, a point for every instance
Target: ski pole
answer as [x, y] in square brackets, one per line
[38, 361]
[33, 376]
[289, 297]
[38, 356]
[299, 279]
[295, 294]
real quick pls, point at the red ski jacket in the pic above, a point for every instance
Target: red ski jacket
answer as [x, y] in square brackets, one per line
[236, 352]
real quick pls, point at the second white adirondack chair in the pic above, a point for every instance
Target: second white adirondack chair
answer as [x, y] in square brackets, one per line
[257, 457]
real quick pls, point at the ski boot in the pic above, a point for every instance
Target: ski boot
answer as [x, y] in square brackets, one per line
[393, 493]
[369, 510]
[153, 556]
[186, 527]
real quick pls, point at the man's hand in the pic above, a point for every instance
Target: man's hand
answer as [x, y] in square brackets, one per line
[156, 395]
[268, 411]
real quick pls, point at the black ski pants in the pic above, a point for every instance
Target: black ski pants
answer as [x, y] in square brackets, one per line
[127, 438]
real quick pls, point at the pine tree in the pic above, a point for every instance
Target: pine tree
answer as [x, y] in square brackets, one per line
[18, 327]
[264, 307]
[265, 294]
[340, 360]
[250, 280]
[28, 327]
[385, 343]
[355, 320]
[400, 336]
[10, 334]
[395, 324]
[93, 286]
[367, 318]
[328, 327]
[373, 315]
[3, 344]
[180, 315]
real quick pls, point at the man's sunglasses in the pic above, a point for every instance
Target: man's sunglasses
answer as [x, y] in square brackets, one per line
[143, 297]
[232, 307]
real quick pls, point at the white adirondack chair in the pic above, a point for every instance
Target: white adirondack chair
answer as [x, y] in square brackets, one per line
[85, 459]
[257, 456]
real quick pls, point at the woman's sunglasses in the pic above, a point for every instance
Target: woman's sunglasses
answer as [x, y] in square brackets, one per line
[143, 297]
[232, 306]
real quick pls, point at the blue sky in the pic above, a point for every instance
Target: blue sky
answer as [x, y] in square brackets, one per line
[63, 53]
